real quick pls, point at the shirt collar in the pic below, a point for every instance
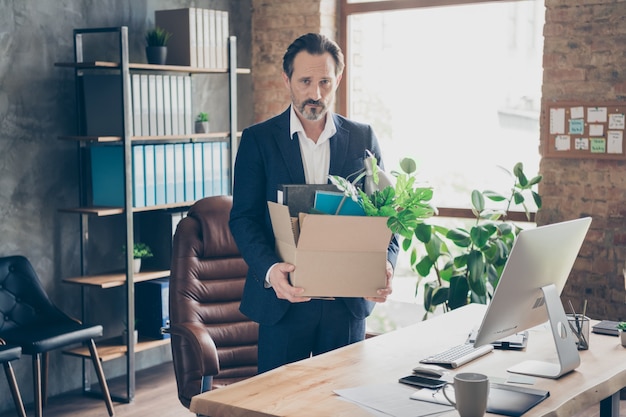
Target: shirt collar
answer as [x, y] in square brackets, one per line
[295, 126]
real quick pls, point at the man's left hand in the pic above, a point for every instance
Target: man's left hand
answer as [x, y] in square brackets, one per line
[383, 293]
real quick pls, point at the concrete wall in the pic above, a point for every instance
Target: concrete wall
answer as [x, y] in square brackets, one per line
[38, 172]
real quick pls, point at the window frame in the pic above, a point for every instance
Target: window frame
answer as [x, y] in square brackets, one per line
[347, 9]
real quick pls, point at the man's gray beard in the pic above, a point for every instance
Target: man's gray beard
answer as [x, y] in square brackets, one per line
[313, 115]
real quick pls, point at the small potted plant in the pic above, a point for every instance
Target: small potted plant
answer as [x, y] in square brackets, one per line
[621, 329]
[156, 45]
[140, 251]
[202, 122]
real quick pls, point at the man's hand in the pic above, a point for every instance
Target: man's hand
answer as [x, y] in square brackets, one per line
[384, 292]
[279, 278]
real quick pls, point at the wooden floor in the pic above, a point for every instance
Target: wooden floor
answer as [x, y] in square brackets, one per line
[156, 396]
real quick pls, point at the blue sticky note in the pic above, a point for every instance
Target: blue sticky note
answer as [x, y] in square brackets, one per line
[576, 126]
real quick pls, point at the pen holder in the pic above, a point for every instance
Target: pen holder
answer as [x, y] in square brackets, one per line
[579, 325]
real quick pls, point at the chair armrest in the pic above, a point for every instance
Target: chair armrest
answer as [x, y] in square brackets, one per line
[202, 343]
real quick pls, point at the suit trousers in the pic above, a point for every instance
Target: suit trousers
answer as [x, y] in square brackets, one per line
[306, 329]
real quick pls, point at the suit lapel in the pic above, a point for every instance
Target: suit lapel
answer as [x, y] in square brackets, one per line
[338, 148]
[289, 149]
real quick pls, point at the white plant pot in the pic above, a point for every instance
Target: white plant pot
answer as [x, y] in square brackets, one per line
[202, 127]
[136, 265]
[622, 338]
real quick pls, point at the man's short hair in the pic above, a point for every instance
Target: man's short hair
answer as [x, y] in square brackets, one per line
[315, 44]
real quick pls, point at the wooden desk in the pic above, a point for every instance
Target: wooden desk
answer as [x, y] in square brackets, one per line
[305, 388]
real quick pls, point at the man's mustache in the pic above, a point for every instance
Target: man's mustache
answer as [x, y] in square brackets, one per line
[313, 102]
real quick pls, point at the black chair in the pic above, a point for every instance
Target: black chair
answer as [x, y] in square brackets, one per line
[29, 319]
[10, 353]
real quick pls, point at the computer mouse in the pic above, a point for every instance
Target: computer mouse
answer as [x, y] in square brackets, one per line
[432, 371]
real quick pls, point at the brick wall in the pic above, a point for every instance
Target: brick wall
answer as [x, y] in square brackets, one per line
[275, 24]
[585, 59]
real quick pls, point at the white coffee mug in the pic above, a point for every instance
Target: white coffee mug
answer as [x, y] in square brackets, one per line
[471, 391]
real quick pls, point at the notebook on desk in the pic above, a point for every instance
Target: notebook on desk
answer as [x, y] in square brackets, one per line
[507, 400]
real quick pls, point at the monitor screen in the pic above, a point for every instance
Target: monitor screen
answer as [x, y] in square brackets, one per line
[531, 283]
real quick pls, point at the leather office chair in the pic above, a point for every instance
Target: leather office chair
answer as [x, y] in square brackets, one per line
[213, 343]
[29, 319]
[10, 353]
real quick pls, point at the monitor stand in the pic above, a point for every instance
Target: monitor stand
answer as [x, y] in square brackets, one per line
[567, 352]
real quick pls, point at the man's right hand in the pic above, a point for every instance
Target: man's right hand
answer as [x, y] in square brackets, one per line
[279, 278]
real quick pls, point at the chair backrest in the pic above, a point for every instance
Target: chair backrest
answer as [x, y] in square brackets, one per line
[206, 285]
[23, 300]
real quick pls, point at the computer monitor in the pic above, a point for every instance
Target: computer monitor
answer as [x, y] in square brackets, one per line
[528, 293]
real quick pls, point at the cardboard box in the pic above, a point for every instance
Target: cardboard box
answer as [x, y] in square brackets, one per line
[335, 256]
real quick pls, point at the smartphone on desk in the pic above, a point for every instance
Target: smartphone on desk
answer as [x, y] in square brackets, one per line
[422, 382]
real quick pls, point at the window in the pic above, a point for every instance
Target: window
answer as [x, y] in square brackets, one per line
[457, 88]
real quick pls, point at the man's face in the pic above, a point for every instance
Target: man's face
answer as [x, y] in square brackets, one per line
[312, 85]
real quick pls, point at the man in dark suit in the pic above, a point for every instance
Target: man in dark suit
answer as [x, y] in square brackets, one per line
[302, 145]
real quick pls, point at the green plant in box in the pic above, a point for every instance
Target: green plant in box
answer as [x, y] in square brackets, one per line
[403, 201]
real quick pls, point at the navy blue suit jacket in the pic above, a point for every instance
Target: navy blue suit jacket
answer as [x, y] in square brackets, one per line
[267, 158]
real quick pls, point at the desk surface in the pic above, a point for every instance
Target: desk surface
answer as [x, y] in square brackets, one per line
[306, 387]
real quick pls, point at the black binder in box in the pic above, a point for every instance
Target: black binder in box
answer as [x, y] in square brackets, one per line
[152, 307]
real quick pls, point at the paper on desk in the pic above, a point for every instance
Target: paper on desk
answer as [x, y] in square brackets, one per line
[392, 399]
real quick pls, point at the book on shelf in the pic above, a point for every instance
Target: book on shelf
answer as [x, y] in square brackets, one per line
[181, 23]
[102, 99]
[181, 105]
[167, 105]
[139, 174]
[170, 178]
[189, 116]
[144, 105]
[159, 174]
[107, 175]
[179, 172]
[152, 107]
[189, 172]
[159, 104]
[200, 37]
[206, 46]
[207, 174]
[150, 179]
[174, 104]
[224, 28]
[216, 168]
[212, 39]
[225, 171]
[136, 99]
[198, 171]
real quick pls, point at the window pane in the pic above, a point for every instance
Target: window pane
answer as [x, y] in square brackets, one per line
[457, 88]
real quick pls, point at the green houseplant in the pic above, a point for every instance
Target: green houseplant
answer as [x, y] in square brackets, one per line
[467, 264]
[140, 251]
[156, 45]
[403, 201]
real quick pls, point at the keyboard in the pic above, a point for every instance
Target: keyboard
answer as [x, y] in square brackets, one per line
[458, 355]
